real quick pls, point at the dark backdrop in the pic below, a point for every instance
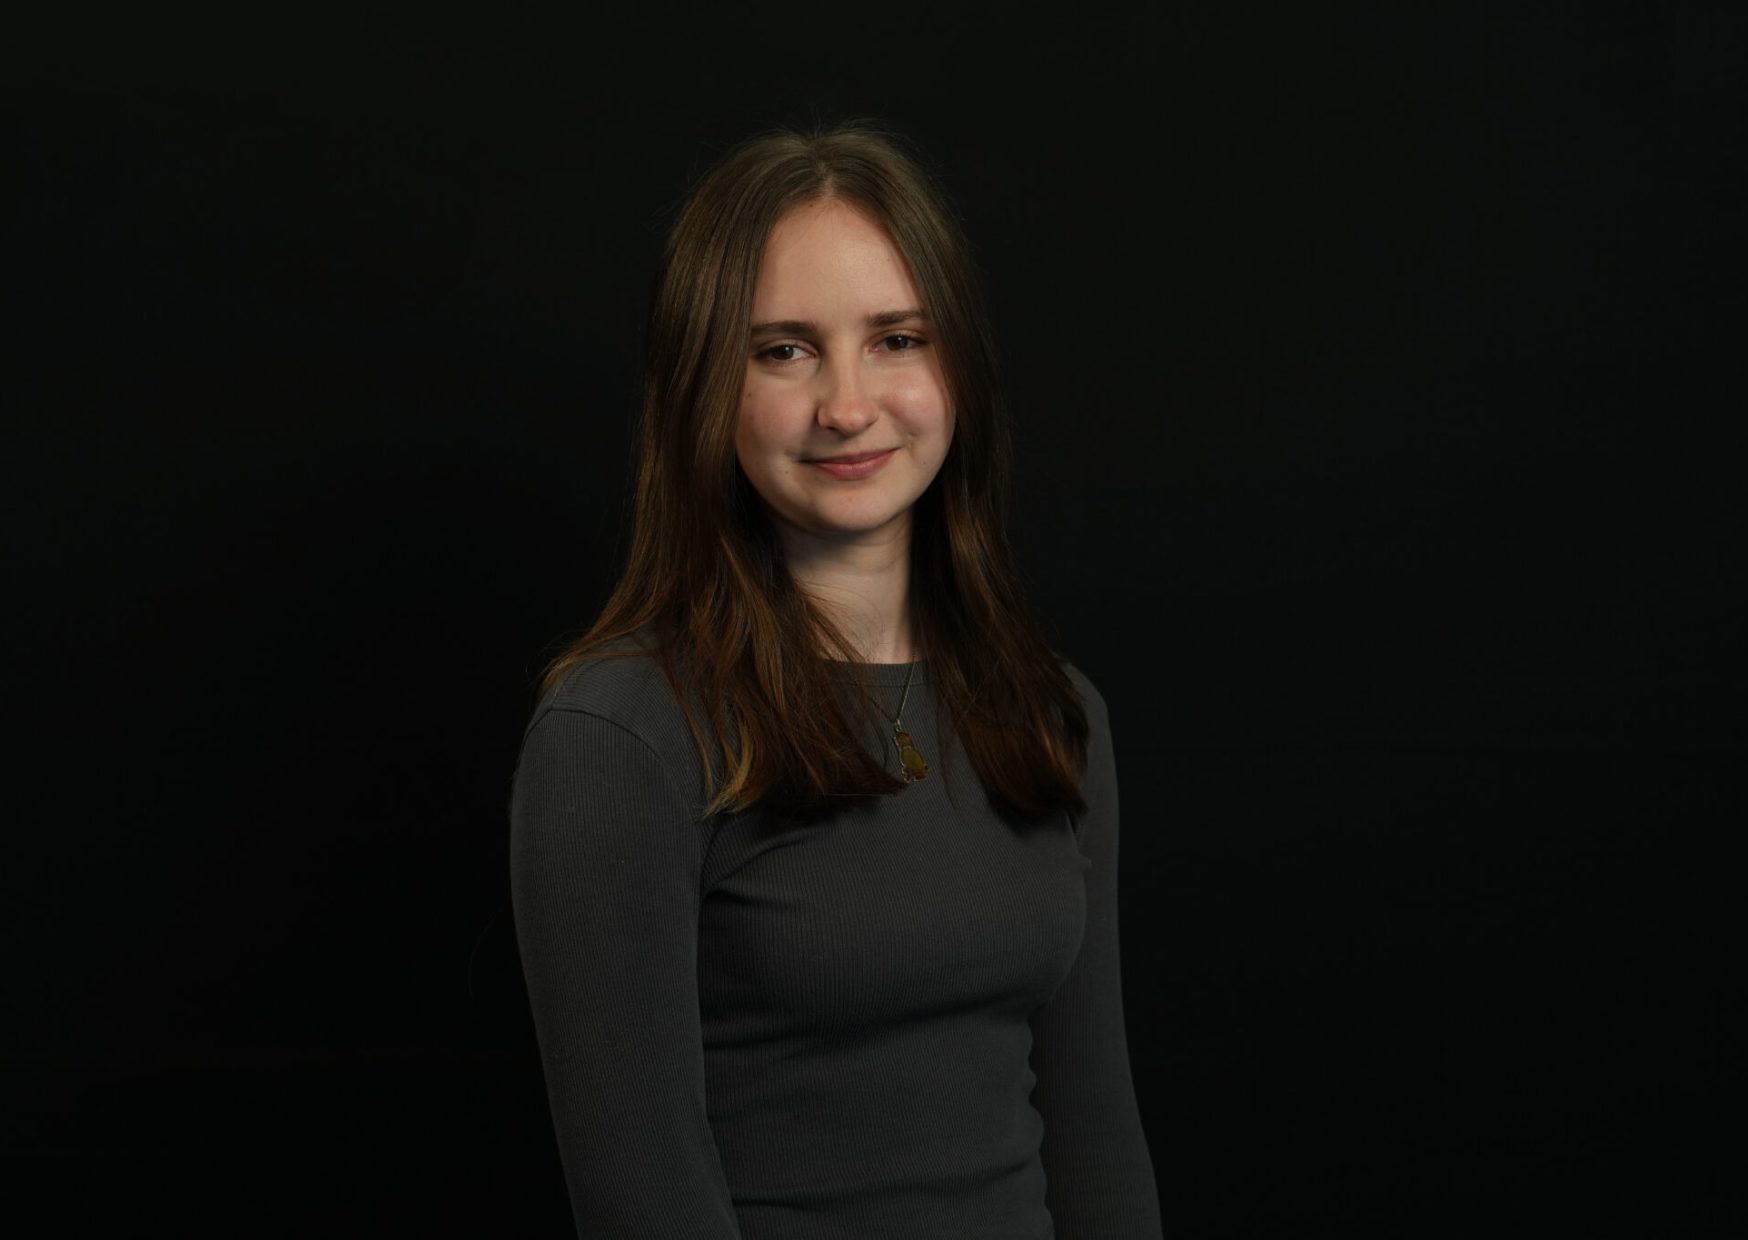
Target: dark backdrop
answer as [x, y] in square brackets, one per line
[1370, 376]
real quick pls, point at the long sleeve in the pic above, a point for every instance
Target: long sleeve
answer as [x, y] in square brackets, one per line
[605, 874]
[1100, 1180]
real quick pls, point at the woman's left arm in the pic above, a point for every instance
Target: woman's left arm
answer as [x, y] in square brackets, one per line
[1100, 1175]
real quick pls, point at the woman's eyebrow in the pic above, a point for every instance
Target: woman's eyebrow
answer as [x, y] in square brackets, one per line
[802, 327]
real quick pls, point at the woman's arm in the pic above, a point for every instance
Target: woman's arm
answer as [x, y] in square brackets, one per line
[604, 867]
[1100, 1174]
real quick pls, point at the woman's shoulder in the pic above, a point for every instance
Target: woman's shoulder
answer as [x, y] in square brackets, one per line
[627, 688]
[577, 732]
[1094, 701]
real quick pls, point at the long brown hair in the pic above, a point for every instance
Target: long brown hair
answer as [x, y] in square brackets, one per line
[706, 589]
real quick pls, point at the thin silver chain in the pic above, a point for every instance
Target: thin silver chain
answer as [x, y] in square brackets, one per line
[902, 699]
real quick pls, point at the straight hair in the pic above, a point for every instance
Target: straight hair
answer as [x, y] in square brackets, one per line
[706, 589]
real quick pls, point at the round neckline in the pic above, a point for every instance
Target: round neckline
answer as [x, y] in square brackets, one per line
[883, 674]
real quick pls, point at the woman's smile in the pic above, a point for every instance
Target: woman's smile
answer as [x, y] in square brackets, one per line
[850, 468]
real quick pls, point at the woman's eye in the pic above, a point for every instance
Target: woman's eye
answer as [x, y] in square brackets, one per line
[782, 353]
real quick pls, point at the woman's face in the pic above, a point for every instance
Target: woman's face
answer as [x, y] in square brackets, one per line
[841, 363]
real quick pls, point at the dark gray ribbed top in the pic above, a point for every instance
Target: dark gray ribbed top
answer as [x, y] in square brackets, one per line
[905, 1019]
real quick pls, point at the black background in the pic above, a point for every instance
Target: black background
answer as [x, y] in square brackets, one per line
[1372, 383]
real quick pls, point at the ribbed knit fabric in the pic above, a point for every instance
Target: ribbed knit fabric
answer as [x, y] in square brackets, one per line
[905, 1020]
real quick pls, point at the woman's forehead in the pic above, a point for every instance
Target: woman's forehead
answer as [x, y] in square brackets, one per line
[830, 259]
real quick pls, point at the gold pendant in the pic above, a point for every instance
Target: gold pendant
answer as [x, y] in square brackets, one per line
[914, 766]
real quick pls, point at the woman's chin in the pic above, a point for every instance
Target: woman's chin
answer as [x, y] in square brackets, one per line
[840, 522]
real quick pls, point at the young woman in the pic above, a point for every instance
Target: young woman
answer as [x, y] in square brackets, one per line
[814, 837]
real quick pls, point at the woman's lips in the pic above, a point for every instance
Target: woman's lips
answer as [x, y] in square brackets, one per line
[850, 470]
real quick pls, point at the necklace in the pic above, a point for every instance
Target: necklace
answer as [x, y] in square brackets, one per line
[909, 759]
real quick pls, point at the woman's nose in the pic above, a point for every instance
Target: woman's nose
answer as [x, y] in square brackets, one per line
[846, 403]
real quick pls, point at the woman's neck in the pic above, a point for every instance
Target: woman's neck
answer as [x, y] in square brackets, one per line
[864, 586]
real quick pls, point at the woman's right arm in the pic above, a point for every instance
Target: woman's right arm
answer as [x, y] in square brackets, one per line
[605, 872]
